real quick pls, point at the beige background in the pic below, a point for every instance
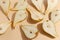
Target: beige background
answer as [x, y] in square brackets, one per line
[17, 34]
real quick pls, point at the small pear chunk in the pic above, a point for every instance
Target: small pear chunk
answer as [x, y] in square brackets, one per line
[30, 30]
[35, 15]
[49, 28]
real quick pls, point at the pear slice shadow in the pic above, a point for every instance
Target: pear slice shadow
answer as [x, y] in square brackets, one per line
[40, 29]
[29, 19]
[23, 35]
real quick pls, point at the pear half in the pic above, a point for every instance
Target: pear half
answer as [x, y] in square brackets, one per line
[35, 15]
[49, 28]
[30, 31]
[39, 5]
[55, 16]
[4, 26]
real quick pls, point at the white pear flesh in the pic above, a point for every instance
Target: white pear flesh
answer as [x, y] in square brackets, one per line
[39, 4]
[30, 31]
[35, 15]
[49, 28]
[55, 16]
[4, 26]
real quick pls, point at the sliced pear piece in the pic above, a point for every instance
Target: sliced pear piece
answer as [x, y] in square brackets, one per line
[30, 30]
[55, 16]
[20, 5]
[4, 6]
[4, 26]
[39, 5]
[35, 15]
[18, 17]
[51, 5]
[49, 27]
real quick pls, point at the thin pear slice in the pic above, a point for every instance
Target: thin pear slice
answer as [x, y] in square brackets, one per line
[49, 28]
[18, 17]
[55, 16]
[51, 5]
[39, 5]
[20, 5]
[4, 26]
[35, 15]
[30, 31]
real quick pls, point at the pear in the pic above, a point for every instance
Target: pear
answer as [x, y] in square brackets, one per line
[39, 5]
[4, 6]
[55, 16]
[51, 5]
[30, 30]
[49, 27]
[35, 15]
[4, 26]
[19, 17]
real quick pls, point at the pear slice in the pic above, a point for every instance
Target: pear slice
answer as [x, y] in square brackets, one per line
[30, 31]
[18, 17]
[51, 5]
[35, 15]
[20, 5]
[55, 16]
[49, 27]
[4, 6]
[39, 5]
[4, 26]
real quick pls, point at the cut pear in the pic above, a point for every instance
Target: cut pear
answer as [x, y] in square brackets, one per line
[49, 27]
[30, 30]
[4, 26]
[35, 15]
[51, 5]
[19, 16]
[55, 16]
[4, 4]
[39, 5]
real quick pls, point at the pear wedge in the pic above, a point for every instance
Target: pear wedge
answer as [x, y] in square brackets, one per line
[35, 15]
[49, 28]
[30, 31]
[39, 5]
[4, 26]
[55, 16]
[51, 5]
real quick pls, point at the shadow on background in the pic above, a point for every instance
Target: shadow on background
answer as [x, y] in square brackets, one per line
[30, 20]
